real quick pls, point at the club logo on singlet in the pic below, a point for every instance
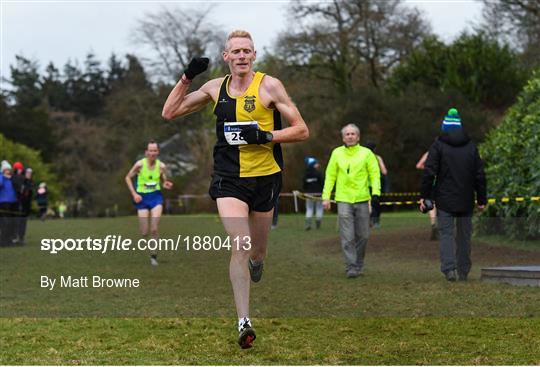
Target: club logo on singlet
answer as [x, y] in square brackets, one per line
[249, 104]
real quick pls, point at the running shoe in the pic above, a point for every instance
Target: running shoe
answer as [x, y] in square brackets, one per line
[247, 335]
[451, 276]
[255, 271]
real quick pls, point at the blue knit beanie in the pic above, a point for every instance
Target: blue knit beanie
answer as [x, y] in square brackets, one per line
[310, 161]
[451, 121]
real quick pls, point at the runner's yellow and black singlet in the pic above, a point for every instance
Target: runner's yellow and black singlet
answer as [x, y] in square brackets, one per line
[250, 160]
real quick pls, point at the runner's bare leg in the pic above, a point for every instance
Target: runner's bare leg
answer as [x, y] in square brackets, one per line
[155, 216]
[143, 221]
[260, 224]
[234, 215]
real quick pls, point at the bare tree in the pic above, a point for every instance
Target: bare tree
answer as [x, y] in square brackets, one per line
[335, 38]
[176, 36]
[516, 22]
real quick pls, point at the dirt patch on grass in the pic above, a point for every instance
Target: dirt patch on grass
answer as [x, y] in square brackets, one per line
[415, 243]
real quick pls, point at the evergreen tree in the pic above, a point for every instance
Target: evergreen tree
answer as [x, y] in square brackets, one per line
[25, 82]
[512, 158]
[54, 90]
[473, 65]
[26, 120]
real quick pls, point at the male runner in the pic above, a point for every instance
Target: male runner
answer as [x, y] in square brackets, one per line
[247, 156]
[148, 199]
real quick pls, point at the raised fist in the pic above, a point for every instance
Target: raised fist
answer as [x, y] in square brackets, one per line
[196, 66]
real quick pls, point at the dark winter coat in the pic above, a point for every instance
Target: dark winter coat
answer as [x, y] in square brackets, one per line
[26, 195]
[453, 173]
[42, 199]
[18, 182]
[313, 181]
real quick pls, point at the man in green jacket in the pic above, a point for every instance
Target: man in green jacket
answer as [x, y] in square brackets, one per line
[352, 169]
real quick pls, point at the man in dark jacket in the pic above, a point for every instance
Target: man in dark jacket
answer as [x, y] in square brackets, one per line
[313, 183]
[18, 185]
[453, 173]
[42, 200]
[27, 195]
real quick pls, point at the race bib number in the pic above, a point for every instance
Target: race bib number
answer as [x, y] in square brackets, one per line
[232, 131]
[150, 185]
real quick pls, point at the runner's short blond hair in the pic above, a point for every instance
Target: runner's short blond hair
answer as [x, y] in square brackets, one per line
[238, 34]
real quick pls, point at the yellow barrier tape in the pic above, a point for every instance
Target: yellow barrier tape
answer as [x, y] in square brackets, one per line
[518, 199]
[304, 196]
[400, 194]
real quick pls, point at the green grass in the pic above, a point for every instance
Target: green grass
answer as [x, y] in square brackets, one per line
[503, 241]
[371, 341]
[401, 311]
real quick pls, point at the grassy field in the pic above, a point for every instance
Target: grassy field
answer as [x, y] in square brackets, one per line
[305, 311]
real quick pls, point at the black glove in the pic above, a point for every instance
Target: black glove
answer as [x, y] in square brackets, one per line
[428, 205]
[375, 200]
[253, 135]
[196, 66]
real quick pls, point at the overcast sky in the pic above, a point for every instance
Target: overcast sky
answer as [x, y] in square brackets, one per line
[60, 30]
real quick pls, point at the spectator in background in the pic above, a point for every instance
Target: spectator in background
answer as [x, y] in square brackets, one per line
[168, 207]
[432, 213]
[352, 169]
[8, 205]
[18, 184]
[78, 209]
[42, 199]
[27, 194]
[313, 183]
[61, 209]
[453, 173]
[375, 216]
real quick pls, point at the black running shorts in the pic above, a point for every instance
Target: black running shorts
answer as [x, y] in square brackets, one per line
[259, 193]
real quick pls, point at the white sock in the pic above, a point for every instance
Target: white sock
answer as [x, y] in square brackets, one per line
[242, 321]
